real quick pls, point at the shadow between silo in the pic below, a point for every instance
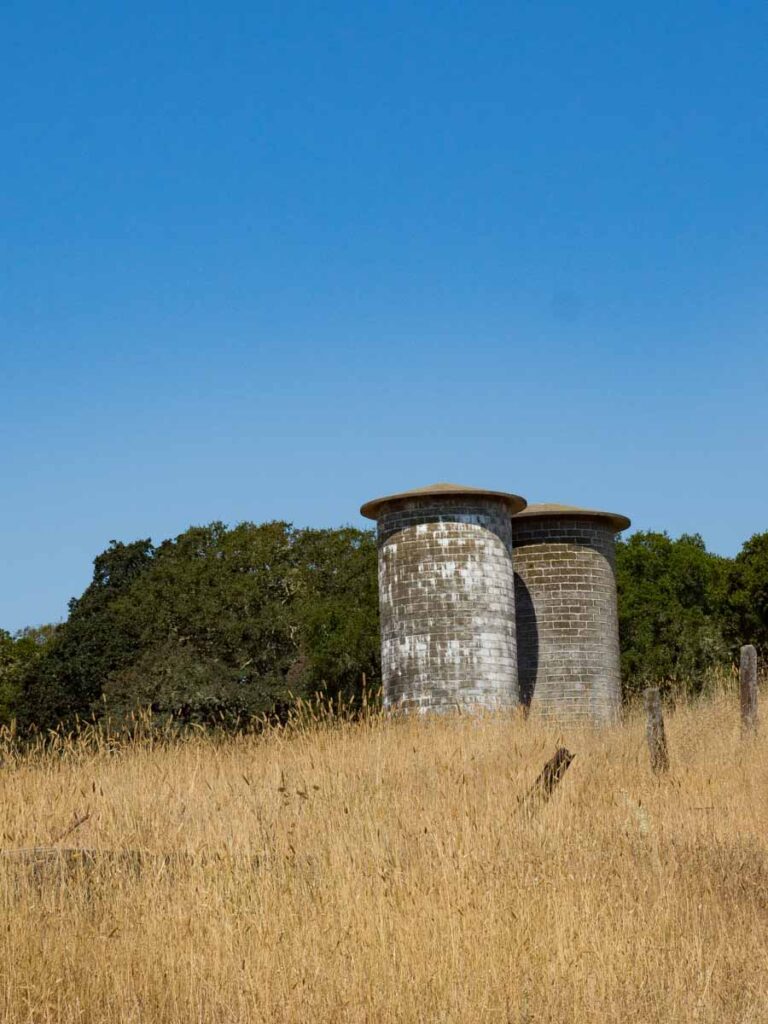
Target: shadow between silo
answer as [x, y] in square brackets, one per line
[527, 642]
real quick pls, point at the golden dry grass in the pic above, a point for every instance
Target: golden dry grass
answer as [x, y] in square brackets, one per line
[382, 871]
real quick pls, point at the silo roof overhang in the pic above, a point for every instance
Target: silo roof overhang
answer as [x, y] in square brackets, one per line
[551, 510]
[514, 502]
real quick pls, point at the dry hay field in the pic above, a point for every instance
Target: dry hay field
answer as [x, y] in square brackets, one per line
[379, 871]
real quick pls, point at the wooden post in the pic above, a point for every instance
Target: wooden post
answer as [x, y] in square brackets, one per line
[748, 688]
[657, 740]
[548, 778]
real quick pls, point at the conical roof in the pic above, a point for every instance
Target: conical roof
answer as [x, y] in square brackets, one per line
[371, 509]
[553, 510]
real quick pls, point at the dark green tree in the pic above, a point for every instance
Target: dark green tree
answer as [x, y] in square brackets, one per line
[216, 624]
[671, 609]
[338, 611]
[95, 640]
[17, 653]
[748, 594]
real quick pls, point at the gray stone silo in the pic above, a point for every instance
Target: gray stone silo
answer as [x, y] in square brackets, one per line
[567, 620]
[447, 598]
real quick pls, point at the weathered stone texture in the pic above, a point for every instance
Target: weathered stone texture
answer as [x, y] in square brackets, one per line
[567, 621]
[447, 593]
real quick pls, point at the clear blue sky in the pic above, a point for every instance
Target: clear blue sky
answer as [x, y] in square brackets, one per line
[268, 260]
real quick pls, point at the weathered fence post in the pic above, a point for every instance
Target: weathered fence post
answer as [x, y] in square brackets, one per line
[748, 688]
[657, 740]
[548, 778]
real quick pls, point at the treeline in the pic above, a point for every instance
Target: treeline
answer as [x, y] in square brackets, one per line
[217, 625]
[221, 623]
[684, 611]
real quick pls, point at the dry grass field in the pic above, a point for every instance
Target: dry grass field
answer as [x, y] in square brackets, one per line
[384, 871]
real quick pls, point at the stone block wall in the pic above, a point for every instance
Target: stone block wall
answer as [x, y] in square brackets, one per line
[567, 619]
[447, 601]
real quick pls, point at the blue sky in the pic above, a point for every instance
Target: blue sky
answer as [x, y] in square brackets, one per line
[269, 260]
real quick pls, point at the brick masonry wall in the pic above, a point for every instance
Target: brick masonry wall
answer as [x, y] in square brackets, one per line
[447, 599]
[567, 619]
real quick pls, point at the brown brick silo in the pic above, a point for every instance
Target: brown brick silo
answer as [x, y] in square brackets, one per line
[567, 620]
[447, 597]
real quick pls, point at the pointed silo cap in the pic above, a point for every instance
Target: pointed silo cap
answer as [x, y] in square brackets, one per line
[371, 509]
